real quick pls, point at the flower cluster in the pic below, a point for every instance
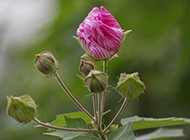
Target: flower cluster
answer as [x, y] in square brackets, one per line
[100, 35]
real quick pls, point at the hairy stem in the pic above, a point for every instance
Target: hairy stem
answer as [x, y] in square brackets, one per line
[62, 128]
[117, 115]
[71, 96]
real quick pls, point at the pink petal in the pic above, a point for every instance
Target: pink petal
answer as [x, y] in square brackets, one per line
[108, 19]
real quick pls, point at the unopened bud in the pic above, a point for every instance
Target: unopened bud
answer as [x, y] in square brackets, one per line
[22, 109]
[113, 127]
[96, 81]
[130, 86]
[46, 63]
[86, 66]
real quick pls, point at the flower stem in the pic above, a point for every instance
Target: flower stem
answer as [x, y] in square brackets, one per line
[105, 64]
[95, 106]
[101, 103]
[117, 115]
[71, 96]
[100, 111]
[62, 128]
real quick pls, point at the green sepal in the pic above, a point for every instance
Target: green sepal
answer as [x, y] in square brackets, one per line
[88, 57]
[22, 109]
[114, 56]
[96, 81]
[125, 34]
[78, 40]
[130, 85]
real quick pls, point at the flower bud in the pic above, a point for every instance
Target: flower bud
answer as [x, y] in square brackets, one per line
[100, 35]
[130, 86]
[46, 63]
[86, 66]
[22, 109]
[96, 81]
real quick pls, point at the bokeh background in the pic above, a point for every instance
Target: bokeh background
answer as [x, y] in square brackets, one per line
[158, 48]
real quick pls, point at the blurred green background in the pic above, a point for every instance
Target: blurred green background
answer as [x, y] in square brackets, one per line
[158, 48]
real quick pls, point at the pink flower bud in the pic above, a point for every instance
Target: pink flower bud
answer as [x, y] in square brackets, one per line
[100, 34]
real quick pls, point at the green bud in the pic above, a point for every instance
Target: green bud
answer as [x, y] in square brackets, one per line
[130, 86]
[96, 81]
[46, 63]
[22, 109]
[86, 66]
[113, 127]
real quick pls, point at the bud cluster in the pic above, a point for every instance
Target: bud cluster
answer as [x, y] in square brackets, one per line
[95, 80]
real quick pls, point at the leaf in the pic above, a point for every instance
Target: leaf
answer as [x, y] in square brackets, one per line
[60, 121]
[122, 133]
[66, 135]
[144, 123]
[85, 138]
[162, 133]
[70, 123]
[75, 123]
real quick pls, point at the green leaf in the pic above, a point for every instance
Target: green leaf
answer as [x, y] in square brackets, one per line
[75, 123]
[122, 133]
[162, 133]
[144, 123]
[85, 138]
[60, 121]
[66, 135]
[70, 123]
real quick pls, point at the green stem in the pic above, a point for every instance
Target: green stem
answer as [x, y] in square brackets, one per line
[117, 115]
[71, 96]
[101, 103]
[62, 128]
[105, 64]
[100, 111]
[95, 106]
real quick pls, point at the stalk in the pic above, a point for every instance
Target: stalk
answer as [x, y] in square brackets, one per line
[62, 128]
[117, 115]
[71, 96]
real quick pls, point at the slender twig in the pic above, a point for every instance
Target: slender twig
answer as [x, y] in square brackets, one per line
[117, 115]
[71, 96]
[62, 128]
